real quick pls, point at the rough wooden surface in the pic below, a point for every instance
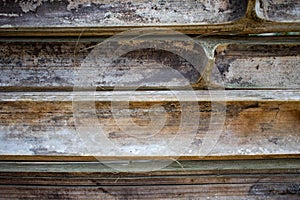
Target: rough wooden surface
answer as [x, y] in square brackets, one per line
[257, 66]
[184, 167]
[52, 64]
[252, 127]
[74, 18]
[56, 65]
[211, 191]
[247, 179]
[213, 95]
[84, 13]
[256, 155]
[279, 10]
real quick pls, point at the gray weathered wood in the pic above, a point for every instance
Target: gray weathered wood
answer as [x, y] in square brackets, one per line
[98, 169]
[74, 18]
[256, 155]
[208, 191]
[257, 66]
[279, 10]
[85, 13]
[243, 63]
[155, 96]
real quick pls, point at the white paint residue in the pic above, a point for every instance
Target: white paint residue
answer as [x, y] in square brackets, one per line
[9, 15]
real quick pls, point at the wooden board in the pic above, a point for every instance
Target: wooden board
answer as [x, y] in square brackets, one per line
[279, 10]
[52, 64]
[87, 18]
[257, 66]
[247, 179]
[45, 124]
[234, 134]
[89, 13]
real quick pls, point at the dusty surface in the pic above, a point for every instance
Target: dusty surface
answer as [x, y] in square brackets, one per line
[259, 123]
[47, 128]
[44, 13]
[257, 66]
[57, 64]
[43, 65]
[279, 10]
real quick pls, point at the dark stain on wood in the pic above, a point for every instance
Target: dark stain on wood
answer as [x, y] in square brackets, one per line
[269, 190]
[256, 66]
[148, 58]
[52, 66]
[281, 11]
[47, 128]
[84, 13]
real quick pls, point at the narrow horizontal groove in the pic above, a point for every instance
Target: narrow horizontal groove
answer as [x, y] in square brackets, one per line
[98, 179]
[45, 159]
[220, 29]
[235, 28]
[155, 96]
[181, 167]
[218, 39]
[156, 184]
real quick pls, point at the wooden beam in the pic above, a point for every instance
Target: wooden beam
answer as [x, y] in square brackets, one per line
[242, 62]
[214, 95]
[233, 179]
[256, 122]
[67, 18]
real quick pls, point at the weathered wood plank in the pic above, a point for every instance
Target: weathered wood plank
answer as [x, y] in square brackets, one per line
[251, 127]
[55, 65]
[244, 63]
[247, 179]
[85, 13]
[187, 167]
[279, 10]
[213, 191]
[257, 66]
[98, 180]
[74, 18]
[155, 96]
[259, 124]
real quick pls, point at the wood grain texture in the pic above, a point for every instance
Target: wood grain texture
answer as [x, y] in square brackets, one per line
[247, 179]
[83, 13]
[244, 63]
[43, 150]
[100, 169]
[55, 65]
[214, 191]
[213, 95]
[211, 191]
[251, 127]
[257, 66]
[102, 18]
[279, 10]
